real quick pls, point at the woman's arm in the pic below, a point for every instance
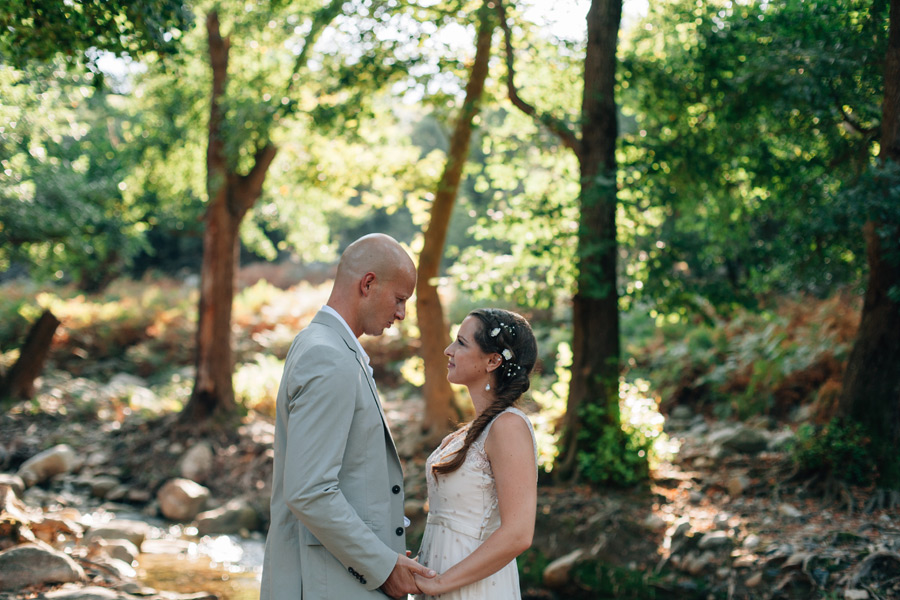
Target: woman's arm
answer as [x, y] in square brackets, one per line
[510, 449]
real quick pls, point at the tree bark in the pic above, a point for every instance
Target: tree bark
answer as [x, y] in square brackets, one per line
[440, 411]
[595, 319]
[871, 386]
[19, 382]
[231, 195]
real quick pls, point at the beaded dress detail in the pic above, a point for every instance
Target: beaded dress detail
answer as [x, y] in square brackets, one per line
[463, 512]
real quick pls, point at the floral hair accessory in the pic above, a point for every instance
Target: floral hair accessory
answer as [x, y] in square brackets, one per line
[495, 331]
[506, 354]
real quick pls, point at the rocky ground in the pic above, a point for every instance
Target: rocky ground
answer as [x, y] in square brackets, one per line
[724, 519]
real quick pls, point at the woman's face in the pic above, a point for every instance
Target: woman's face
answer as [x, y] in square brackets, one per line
[468, 363]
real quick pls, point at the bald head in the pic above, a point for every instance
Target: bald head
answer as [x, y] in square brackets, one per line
[375, 277]
[376, 253]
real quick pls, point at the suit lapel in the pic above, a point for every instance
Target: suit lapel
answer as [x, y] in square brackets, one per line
[323, 318]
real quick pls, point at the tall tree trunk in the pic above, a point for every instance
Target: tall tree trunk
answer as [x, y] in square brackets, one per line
[871, 390]
[595, 319]
[230, 197]
[440, 411]
[19, 382]
[595, 314]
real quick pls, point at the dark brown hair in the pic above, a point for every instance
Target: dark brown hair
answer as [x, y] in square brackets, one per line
[501, 330]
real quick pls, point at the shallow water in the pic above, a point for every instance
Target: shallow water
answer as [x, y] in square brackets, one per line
[225, 565]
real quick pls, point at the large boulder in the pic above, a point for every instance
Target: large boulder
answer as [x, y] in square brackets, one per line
[30, 564]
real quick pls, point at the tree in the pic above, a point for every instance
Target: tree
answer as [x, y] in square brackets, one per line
[745, 121]
[592, 410]
[871, 385]
[439, 407]
[244, 119]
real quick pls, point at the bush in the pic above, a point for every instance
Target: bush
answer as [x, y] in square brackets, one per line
[840, 450]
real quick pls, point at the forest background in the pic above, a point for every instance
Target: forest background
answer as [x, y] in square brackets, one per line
[696, 206]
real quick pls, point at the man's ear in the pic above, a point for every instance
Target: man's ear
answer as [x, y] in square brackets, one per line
[366, 282]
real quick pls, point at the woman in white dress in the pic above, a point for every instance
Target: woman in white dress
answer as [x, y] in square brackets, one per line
[482, 479]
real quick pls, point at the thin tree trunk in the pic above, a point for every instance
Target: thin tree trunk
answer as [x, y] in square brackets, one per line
[871, 390]
[595, 319]
[230, 197]
[19, 382]
[440, 411]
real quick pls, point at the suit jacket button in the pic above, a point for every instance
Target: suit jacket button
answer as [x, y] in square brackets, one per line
[399, 531]
[362, 580]
[396, 489]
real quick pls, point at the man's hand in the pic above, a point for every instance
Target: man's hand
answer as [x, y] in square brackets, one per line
[401, 582]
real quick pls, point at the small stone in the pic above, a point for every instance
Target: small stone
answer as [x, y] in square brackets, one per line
[556, 574]
[786, 510]
[714, 539]
[754, 580]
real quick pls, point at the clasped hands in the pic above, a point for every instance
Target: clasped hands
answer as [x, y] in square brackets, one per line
[405, 577]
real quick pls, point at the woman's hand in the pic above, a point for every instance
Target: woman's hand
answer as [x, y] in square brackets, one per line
[430, 586]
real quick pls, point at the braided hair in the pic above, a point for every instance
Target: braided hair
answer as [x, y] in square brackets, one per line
[509, 335]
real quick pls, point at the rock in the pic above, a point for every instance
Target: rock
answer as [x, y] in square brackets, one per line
[46, 464]
[679, 529]
[654, 522]
[13, 482]
[102, 485]
[751, 542]
[737, 484]
[856, 595]
[556, 574]
[235, 516]
[786, 510]
[197, 462]
[181, 499]
[92, 592]
[745, 441]
[120, 549]
[754, 580]
[119, 569]
[120, 529]
[29, 564]
[697, 564]
[714, 539]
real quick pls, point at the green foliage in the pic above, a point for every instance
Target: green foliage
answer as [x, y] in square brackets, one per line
[748, 122]
[609, 454]
[841, 450]
[531, 565]
[44, 30]
[63, 212]
[609, 581]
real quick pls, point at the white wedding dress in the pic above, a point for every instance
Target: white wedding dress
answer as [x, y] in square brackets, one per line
[462, 513]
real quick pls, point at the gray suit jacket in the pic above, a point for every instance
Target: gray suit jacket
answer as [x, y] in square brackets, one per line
[337, 485]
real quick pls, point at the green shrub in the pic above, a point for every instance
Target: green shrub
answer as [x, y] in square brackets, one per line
[840, 449]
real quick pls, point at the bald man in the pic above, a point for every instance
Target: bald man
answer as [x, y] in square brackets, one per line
[337, 530]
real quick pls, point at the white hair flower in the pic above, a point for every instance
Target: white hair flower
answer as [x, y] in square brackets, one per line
[506, 354]
[495, 332]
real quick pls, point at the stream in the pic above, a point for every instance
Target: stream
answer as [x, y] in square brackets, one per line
[175, 558]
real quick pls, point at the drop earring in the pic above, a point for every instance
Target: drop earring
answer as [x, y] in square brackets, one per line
[487, 387]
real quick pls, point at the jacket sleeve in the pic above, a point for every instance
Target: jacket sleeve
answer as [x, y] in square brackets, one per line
[322, 405]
